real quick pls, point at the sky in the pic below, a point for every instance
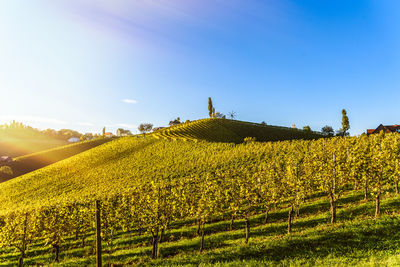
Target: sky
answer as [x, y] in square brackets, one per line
[86, 64]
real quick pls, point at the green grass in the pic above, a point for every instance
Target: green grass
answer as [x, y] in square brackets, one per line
[356, 240]
[224, 130]
[28, 163]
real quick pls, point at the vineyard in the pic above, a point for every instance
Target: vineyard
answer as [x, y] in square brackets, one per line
[34, 161]
[224, 130]
[325, 201]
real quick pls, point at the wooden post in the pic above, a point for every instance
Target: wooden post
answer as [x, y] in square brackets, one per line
[290, 219]
[266, 215]
[98, 234]
[247, 224]
[202, 237]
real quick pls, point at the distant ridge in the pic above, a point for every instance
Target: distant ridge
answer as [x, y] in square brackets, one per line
[232, 131]
[28, 163]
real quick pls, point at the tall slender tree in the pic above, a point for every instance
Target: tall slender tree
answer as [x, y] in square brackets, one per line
[345, 122]
[210, 107]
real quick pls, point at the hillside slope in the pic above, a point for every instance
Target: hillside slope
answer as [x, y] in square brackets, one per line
[14, 146]
[28, 163]
[112, 167]
[218, 184]
[232, 131]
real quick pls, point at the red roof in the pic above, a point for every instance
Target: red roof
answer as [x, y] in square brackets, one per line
[385, 128]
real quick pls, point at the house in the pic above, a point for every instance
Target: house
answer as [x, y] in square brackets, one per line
[108, 134]
[74, 139]
[6, 159]
[385, 128]
[122, 132]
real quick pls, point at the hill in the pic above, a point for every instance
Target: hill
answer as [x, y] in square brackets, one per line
[224, 130]
[28, 163]
[17, 139]
[15, 146]
[154, 190]
[105, 170]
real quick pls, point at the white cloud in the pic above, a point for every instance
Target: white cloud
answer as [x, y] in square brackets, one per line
[129, 101]
[85, 123]
[125, 125]
[30, 119]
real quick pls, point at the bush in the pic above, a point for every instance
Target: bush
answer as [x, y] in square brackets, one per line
[249, 139]
[6, 170]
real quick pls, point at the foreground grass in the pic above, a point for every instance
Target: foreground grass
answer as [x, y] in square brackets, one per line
[357, 239]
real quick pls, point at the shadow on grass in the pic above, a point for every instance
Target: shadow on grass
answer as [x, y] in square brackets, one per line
[356, 240]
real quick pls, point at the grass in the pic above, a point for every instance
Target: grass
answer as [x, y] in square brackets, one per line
[357, 239]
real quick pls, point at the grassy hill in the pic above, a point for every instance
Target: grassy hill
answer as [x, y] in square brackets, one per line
[224, 130]
[28, 163]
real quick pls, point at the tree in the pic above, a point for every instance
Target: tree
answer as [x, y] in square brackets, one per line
[331, 169]
[219, 115]
[395, 159]
[232, 115]
[327, 131]
[345, 123]
[210, 107]
[104, 131]
[145, 127]
[263, 123]
[360, 159]
[18, 231]
[381, 170]
[175, 122]
[66, 134]
[307, 128]
[55, 224]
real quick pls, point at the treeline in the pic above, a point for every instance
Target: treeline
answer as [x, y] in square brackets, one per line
[256, 175]
[18, 129]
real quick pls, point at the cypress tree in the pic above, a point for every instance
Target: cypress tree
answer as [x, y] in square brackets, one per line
[210, 107]
[345, 122]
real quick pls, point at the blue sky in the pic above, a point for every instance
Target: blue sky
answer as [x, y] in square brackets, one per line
[84, 64]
